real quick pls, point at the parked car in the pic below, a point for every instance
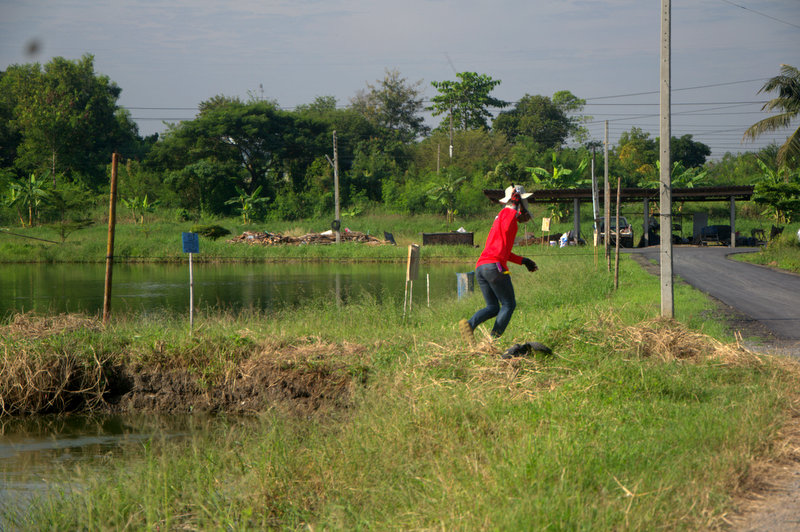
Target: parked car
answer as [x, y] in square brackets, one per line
[625, 232]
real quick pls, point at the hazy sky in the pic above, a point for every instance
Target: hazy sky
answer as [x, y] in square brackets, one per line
[169, 56]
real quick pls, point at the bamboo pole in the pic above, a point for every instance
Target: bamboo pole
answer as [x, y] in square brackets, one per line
[112, 220]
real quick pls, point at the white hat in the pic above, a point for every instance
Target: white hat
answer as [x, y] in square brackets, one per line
[510, 191]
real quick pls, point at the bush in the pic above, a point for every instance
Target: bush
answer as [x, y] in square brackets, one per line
[210, 231]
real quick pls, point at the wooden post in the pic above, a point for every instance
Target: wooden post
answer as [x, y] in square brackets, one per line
[667, 291]
[412, 270]
[112, 221]
[191, 295]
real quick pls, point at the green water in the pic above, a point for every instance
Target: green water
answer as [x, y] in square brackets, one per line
[58, 288]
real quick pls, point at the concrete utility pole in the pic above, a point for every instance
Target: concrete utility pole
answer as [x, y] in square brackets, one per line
[451, 132]
[336, 185]
[607, 204]
[667, 292]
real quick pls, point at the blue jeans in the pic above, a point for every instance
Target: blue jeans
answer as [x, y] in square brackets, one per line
[498, 292]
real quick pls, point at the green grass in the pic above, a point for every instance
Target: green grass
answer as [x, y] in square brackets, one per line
[783, 252]
[609, 433]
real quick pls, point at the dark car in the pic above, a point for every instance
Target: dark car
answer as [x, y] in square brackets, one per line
[625, 232]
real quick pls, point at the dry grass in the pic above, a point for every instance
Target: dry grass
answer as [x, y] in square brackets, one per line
[47, 382]
[31, 326]
[668, 340]
[36, 377]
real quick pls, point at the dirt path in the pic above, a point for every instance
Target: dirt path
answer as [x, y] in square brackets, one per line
[772, 502]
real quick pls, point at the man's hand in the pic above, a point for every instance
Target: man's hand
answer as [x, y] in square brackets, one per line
[528, 263]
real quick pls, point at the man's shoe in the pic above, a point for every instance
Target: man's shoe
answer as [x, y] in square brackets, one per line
[466, 332]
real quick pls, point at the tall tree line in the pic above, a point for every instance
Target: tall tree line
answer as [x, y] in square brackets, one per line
[59, 123]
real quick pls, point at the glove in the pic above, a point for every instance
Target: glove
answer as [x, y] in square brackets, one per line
[528, 263]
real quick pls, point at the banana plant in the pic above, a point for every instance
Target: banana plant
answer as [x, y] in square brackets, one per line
[139, 207]
[681, 177]
[29, 194]
[445, 195]
[560, 177]
[247, 203]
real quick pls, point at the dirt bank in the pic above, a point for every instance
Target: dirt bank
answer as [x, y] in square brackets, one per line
[299, 384]
[57, 364]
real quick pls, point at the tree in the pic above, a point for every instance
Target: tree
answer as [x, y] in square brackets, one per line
[250, 145]
[787, 84]
[536, 117]
[67, 119]
[393, 105]
[637, 153]
[465, 101]
[779, 191]
[572, 106]
[688, 152]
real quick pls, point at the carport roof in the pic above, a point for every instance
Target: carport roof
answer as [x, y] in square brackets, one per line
[634, 193]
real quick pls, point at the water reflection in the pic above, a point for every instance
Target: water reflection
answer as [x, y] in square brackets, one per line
[154, 287]
[36, 451]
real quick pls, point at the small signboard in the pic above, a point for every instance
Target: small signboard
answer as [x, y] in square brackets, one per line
[191, 242]
[546, 225]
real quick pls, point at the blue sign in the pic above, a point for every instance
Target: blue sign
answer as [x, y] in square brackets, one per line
[191, 243]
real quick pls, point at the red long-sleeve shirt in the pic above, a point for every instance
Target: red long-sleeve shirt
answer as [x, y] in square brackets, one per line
[501, 240]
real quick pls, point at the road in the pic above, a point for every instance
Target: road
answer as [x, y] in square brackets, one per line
[766, 295]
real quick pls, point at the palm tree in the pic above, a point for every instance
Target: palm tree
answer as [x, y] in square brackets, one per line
[788, 100]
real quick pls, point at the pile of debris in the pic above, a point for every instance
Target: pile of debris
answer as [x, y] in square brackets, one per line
[327, 237]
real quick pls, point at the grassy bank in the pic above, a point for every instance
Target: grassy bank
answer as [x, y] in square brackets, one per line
[634, 423]
[783, 252]
[160, 240]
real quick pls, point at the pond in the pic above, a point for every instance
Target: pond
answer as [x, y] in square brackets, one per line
[58, 288]
[37, 454]
[34, 450]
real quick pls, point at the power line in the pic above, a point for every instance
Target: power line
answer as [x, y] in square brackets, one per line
[676, 90]
[760, 13]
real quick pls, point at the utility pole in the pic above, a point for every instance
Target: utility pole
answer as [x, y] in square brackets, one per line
[335, 164]
[667, 292]
[607, 204]
[451, 132]
[336, 186]
[594, 197]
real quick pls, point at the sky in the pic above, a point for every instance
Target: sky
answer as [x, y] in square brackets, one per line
[167, 57]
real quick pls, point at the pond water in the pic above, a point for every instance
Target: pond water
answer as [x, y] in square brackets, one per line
[36, 451]
[58, 288]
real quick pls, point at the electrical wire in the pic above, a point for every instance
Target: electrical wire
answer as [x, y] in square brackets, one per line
[761, 14]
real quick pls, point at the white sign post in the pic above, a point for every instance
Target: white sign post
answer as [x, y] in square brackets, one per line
[191, 245]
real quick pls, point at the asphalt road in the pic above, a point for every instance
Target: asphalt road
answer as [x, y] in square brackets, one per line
[766, 295]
